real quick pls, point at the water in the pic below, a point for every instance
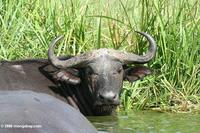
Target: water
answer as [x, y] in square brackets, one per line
[147, 122]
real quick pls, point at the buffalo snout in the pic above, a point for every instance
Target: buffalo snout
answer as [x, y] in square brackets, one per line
[108, 97]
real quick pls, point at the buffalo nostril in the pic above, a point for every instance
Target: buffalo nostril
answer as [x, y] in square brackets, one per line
[101, 96]
[115, 96]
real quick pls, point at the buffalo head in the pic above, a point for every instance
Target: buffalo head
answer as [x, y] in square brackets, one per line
[102, 72]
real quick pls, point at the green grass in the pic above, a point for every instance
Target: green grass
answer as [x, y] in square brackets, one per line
[27, 27]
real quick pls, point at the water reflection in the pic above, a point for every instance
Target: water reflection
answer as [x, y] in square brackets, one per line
[105, 124]
[147, 122]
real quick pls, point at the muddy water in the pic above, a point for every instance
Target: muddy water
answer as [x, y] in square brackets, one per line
[147, 122]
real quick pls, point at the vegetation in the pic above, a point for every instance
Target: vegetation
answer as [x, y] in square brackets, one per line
[28, 26]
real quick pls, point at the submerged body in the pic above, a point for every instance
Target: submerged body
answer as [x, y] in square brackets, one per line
[28, 75]
[30, 112]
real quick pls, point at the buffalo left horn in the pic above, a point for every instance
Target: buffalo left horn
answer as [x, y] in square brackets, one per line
[130, 58]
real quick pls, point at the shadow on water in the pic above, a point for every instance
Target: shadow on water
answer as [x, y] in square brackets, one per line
[147, 122]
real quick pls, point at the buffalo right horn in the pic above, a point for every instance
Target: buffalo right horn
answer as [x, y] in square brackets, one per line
[78, 60]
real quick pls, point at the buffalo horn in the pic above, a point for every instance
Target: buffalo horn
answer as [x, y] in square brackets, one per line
[83, 59]
[74, 61]
[130, 58]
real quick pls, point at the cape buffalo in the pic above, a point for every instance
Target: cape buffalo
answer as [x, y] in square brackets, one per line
[90, 82]
[31, 112]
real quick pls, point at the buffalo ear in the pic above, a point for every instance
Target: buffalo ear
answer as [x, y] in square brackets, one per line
[69, 76]
[135, 73]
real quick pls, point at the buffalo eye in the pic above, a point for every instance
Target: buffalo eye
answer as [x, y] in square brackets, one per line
[91, 74]
[89, 71]
[120, 70]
